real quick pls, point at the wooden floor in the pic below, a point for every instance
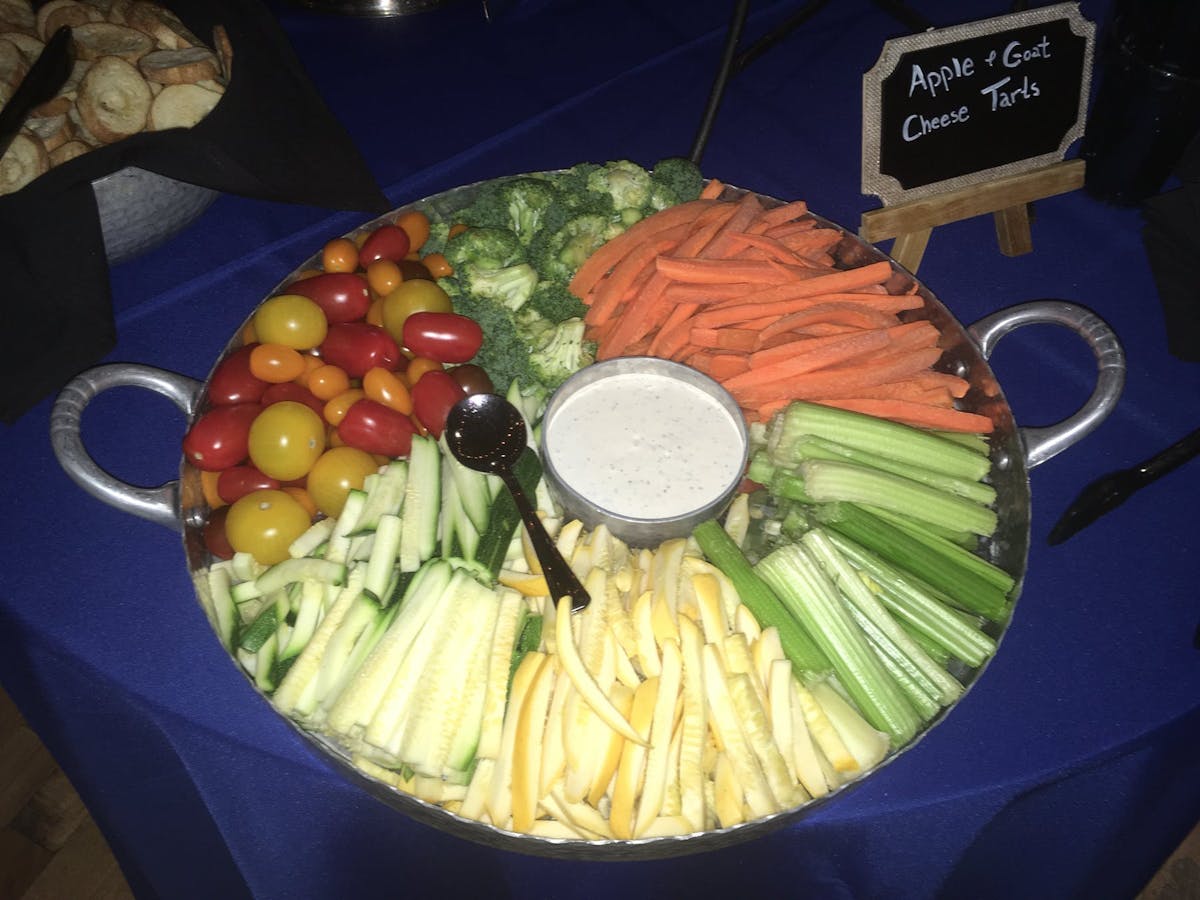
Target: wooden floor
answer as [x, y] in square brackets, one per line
[50, 849]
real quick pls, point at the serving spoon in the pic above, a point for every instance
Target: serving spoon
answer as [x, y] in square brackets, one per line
[487, 433]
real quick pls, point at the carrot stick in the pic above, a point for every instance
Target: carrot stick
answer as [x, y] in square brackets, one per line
[722, 271]
[919, 415]
[606, 295]
[772, 247]
[742, 340]
[759, 378]
[840, 313]
[746, 210]
[674, 333]
[607, 254]
[872, 371]
[705, 294]
[712, 190]
[786, 228]
[777, 215]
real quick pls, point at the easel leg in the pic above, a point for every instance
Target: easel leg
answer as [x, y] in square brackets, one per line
[910, 247]
[1012, 230]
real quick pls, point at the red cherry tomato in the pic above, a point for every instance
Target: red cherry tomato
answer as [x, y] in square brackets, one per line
[433, 396]
[233, 382]
[221, 437]
[376, 428]
[342, 296]
[289, 390]
[214, 534]
[358, 347]
[444, 336]
[385, 242]
[236, 482]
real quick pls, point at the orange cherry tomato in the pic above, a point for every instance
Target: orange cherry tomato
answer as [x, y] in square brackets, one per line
[456, 229]
[208, 485]
[311, 364]
[383, 275]
[418, 366]
[438, 265]
[275, 363]
[335, 408]
[416, 224]
[301, 496]
[339, 255]
[327, 381]
[388, 388]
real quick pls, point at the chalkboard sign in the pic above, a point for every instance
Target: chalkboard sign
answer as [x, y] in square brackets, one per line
[957, 106]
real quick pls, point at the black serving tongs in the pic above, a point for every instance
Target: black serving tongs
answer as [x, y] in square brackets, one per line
[1110, 491]
[48, 73]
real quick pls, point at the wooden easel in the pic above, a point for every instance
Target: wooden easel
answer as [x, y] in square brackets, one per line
[1007, 199]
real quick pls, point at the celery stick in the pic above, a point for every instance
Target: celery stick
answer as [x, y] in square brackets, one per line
[918, 604]
[807, 591]
[828, 480]
[819, 448]
[933, 677]
[723, 553]
[969, 580]
[875, 435]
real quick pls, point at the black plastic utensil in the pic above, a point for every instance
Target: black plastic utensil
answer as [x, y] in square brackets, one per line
[48, 73]
[1108, 492]
[487, 433]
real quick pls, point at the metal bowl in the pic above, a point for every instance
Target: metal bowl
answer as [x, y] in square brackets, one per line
[140, 209]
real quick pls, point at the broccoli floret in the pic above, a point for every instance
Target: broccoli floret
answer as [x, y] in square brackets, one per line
[678, 177]
[523, 205]
[484, 247]
[439, 231]
[561, 353]
[504, 354]
[627, 183]
[557, 255]
[509, 286]
[554, 301]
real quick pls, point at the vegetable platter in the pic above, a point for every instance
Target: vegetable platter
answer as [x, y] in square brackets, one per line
[699, 720]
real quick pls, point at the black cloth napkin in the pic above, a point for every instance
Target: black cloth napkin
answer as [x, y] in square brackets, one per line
[270, 137]
[1171, 234]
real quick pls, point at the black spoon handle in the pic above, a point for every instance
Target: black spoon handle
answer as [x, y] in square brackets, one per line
[560, 577]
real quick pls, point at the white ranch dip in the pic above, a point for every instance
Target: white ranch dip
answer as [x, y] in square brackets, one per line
[645, 446]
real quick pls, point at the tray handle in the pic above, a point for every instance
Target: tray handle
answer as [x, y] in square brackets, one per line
[1043, 443]
[158, 504]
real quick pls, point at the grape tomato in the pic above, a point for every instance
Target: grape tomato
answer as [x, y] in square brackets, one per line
[276, 363]
[233, 382]
[220, 438]
[356, 347]
[372, 427]
[411, 297]
[433, 397]
[289, 390]
[342, 296]
[472, 378]
[445, 336]
[236, 482]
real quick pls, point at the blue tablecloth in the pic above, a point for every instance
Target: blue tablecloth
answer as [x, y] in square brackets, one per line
[1070, 769]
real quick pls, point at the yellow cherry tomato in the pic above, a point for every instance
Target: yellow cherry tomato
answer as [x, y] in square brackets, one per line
[438, 265]
[382, 276]
[375, 313]
[275, 363]
[338, 471]
[386, 387]
[264, 523]
[417, 295]
[339, 255]
[415, 224]
[249, 335]
[286, 438]
[335, 409]
[327, 381]
[291, 320]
